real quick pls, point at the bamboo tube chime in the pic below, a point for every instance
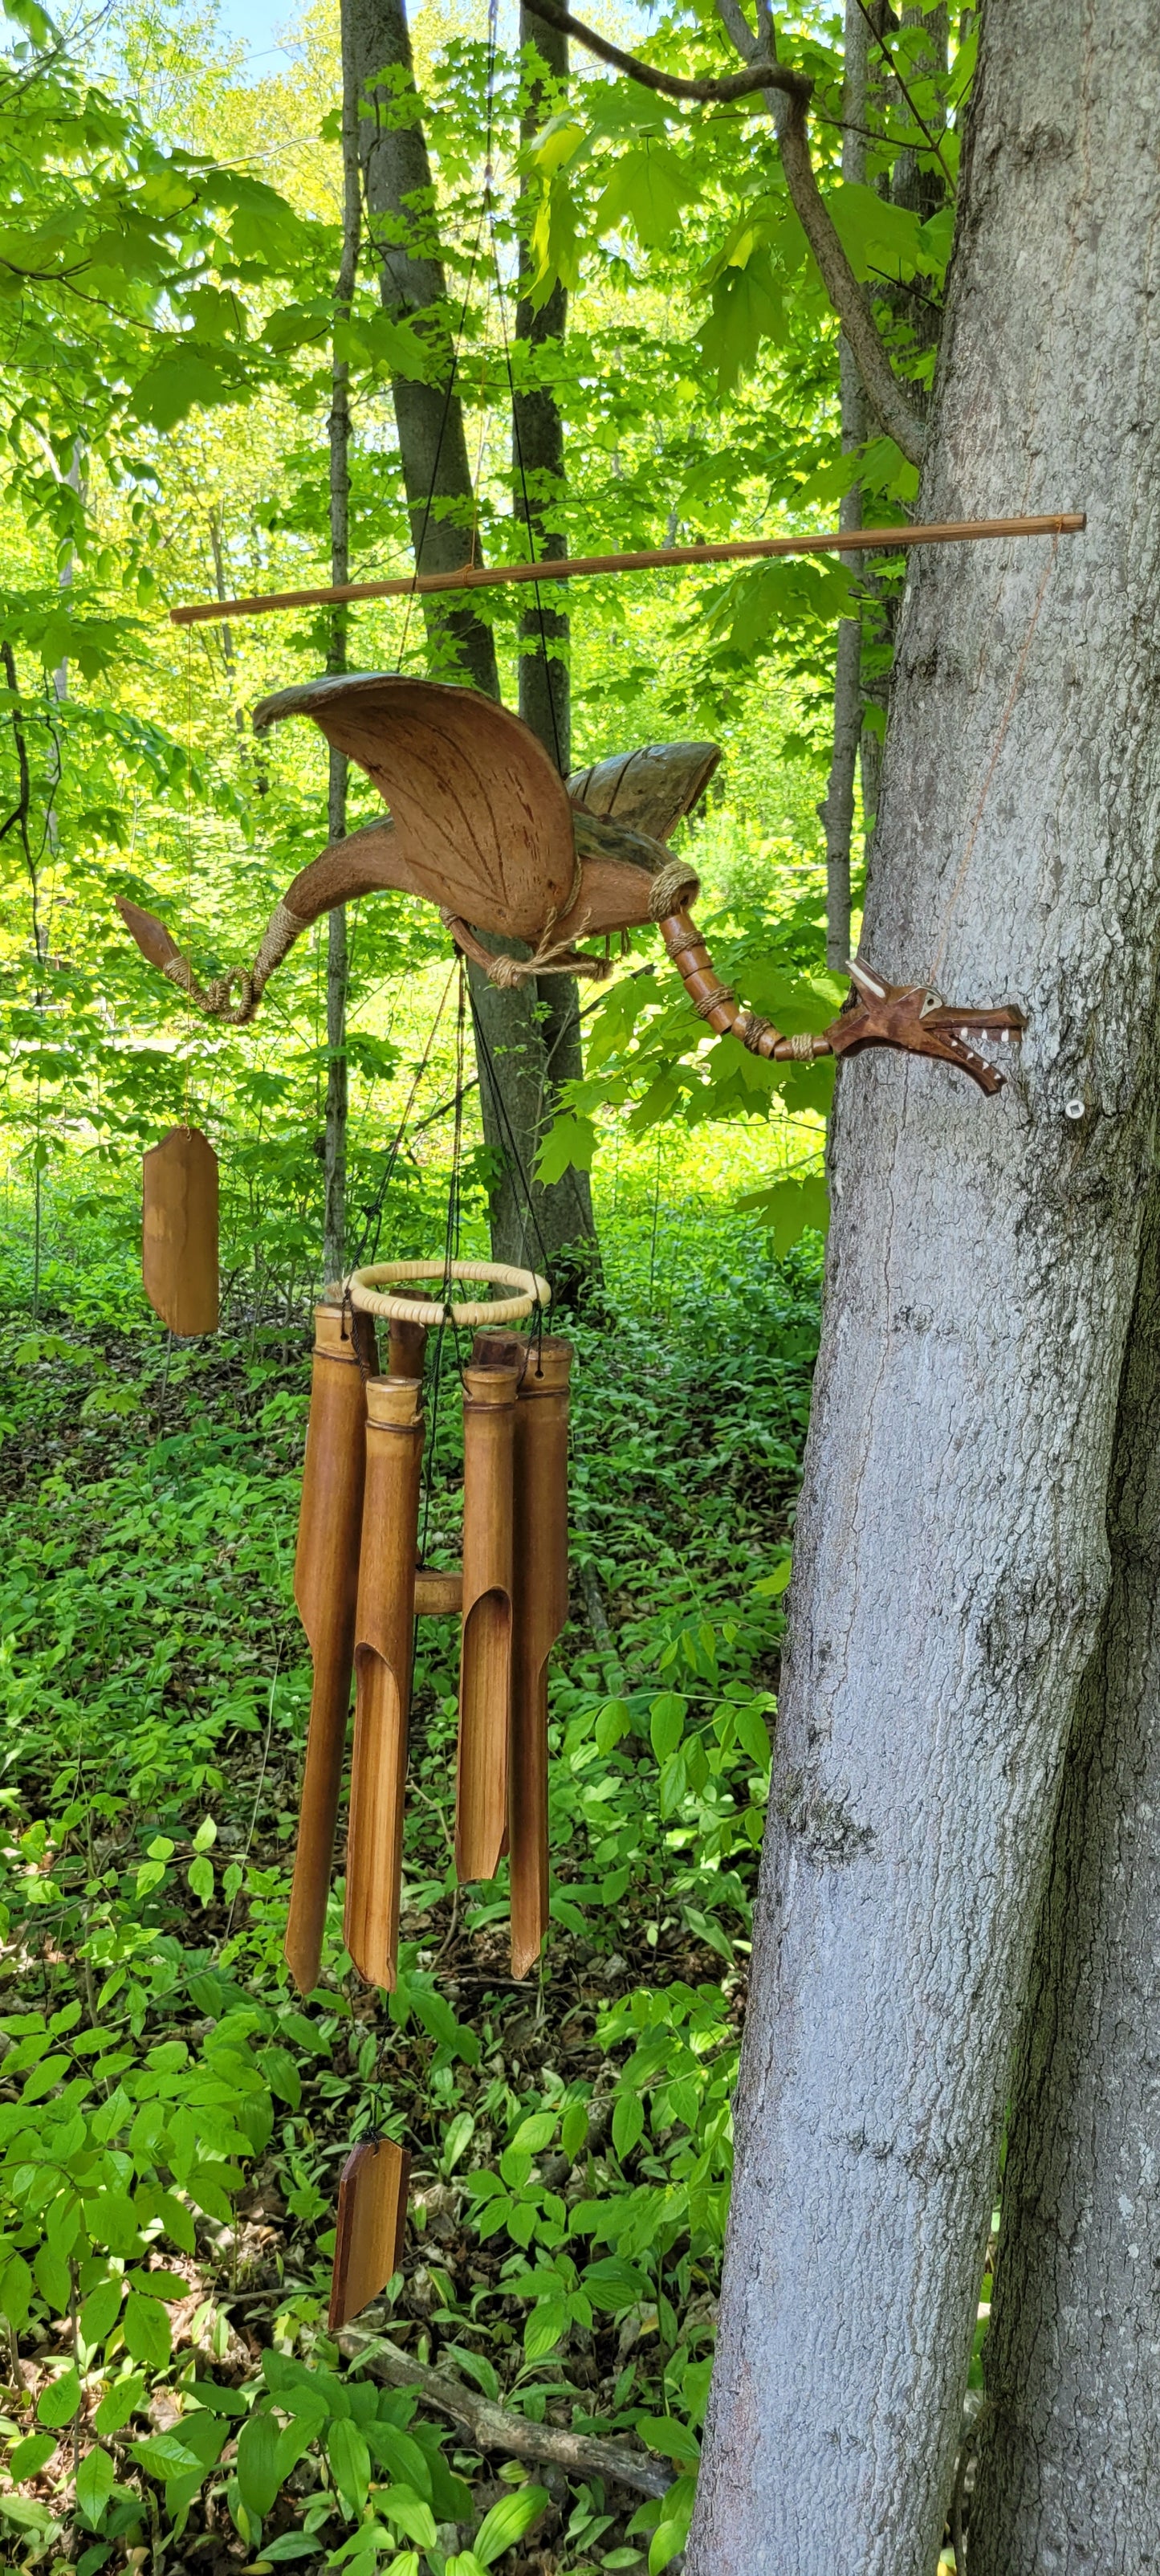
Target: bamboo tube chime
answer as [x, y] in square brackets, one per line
[485, 1669]
[384, 1633]
[326, 1591]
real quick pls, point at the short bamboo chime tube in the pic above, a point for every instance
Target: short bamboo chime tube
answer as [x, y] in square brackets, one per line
[326, 1591]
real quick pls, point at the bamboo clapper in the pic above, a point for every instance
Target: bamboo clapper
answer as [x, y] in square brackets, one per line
[384, 1633]
[326, 1591]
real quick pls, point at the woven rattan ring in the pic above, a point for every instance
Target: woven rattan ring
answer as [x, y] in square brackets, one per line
[366, 1291]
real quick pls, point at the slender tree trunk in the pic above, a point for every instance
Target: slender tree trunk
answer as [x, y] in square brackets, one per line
[1069, 2461]
[515, 1076]
[837, 812]
[951, 1567]
[337, 937]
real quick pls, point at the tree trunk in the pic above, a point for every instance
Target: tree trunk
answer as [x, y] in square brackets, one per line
[509, 1026]
[952, 1562]
[837, 812]
[1069, 2459]
[337, 952]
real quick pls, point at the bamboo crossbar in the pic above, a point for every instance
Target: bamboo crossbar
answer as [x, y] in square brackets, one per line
[1061, 523]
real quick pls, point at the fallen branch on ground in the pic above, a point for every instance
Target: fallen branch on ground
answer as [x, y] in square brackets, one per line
[496, 2428]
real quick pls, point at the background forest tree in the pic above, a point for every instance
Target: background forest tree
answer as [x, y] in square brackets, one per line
[238, 318]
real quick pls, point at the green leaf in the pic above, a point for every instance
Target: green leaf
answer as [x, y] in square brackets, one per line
[549, 2320]
[30, 2455]
[667, 1723]
[146, 2329]
[101, 2310]
[60, 2400]
[614, 2283]
[206, 1835]
[787, 1208]
[257, 2470]
[52, 2280]
[201, 1880]
[163, 2456]
[119, 2403]
[771, 1586]
[533, 2134]
[570, 1144]
[674, 2440]
[507, 2522]
[350, 2465]
[15, 2289]
[457, 2140]
[627, 2122]
[94, 2483]
[409, 2514]
[753, 1736]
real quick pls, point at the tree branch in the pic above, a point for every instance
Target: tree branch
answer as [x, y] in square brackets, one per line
[889, 403]
[786, 97]
[760, 76]
[496, 2428]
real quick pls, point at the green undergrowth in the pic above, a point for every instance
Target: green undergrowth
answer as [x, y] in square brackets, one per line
[173, 2115]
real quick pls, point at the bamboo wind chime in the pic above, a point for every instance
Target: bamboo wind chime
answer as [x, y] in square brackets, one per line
[359, 1589]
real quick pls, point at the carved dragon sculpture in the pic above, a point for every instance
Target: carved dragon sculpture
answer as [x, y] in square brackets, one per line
[482, 826]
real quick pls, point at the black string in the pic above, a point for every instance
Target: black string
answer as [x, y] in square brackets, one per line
[512, 1147]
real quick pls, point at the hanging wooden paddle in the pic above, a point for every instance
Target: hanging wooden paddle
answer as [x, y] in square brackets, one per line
[539, 1612]
[326, 1591]
[489, 1416]
[179, 1236]
[384, 1630]
[372, 2214]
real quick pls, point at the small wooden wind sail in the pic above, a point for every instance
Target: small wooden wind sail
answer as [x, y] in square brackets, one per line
[326, 1590]
[384, 1631]
[372, 2213]
[179, 1238]
[489, 1420]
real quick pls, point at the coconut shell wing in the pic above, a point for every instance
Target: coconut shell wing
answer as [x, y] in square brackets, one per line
[482, 819]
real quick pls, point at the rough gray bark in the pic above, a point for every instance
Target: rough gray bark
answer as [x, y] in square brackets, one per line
[339, 427]
[952, 1561]
[1068, 2472]
[436, 473]
[837, 810]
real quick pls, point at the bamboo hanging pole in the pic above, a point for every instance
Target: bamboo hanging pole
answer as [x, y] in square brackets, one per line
[489, 1414]
[325, 1589]
[384, 1630]
[945, 532]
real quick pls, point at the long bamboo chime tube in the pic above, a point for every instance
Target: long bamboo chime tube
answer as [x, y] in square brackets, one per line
[326, 1591]
[489, 1420]
[946, 532]
[540, 1609]
[384, 1633]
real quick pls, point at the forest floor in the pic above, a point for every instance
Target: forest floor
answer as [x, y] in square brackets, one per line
[173, 2116]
